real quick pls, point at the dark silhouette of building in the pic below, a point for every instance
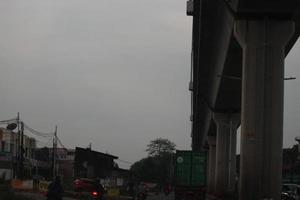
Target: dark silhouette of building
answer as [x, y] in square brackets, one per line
[291, 165]
[93, 164]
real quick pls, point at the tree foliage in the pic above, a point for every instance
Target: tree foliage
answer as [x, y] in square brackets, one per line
[160, 147]
[158, 169]
[158, 166]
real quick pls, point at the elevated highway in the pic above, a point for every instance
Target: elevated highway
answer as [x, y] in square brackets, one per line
[238, 52]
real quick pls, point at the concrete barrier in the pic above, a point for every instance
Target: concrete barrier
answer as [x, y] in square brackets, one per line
[22, 184]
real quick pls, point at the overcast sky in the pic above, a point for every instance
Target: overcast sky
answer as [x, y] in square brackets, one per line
[110, 72]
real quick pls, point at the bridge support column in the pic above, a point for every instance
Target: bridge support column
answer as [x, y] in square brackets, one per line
[263, 43]
[211, 164]
[225, 152]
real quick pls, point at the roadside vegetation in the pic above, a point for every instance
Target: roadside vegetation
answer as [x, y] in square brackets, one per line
[158, 166]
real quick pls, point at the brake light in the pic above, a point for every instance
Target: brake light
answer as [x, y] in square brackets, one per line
[94, 194]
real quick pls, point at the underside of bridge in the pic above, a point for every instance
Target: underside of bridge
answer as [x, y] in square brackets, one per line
[224, 32]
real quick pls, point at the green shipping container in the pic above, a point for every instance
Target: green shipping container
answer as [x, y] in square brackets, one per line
[190, 168]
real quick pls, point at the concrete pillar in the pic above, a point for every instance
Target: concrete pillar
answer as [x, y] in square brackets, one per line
[225, 152]
[234, 123]
[263, 43]
[211, 164]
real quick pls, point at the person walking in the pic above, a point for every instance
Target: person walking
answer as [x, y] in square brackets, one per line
[55, 190]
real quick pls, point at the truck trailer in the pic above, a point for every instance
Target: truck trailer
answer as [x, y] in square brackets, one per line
[190, 175]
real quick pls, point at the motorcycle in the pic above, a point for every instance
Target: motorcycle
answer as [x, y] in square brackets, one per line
[141, 196]
[287, 196]
[167, 190]
[95, 195]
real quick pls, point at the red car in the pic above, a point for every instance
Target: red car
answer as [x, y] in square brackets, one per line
[87, 185]
[93, 187]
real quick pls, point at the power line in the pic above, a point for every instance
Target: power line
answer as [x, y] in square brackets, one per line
[45, 144]
[42, 142]
[61, 144]
[8, 121]
[38, 133]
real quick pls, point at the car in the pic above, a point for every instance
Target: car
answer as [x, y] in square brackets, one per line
[87, 185]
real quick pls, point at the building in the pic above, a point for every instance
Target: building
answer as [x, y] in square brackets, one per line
[8, 141]
[81, 162]
[64, 160]
[291, 165]
[9, 159]
[93, 164]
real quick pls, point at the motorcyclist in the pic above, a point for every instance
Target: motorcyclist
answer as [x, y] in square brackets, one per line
[142, 192]
[99, 187]
[167, 188]
[131, 190]
[97, 190]
[55, 190]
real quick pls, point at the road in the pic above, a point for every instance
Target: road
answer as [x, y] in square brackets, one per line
[37, 196]
[161, 196]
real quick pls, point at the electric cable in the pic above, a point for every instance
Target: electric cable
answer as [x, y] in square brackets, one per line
[50, 134]
[8, 121]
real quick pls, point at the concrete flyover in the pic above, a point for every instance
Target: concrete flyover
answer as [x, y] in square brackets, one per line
[238, 53]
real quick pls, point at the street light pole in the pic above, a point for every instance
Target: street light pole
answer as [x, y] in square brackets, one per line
[17, 169]
[22, 152]
[54, 153]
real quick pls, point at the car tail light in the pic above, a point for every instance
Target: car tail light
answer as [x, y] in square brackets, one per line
[94, 194]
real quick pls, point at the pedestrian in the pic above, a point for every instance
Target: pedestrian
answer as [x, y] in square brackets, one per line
[55, 190]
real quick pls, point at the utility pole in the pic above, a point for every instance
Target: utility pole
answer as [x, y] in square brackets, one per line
[54, 153]
[17, 159]
[22, 152]
[35, 162]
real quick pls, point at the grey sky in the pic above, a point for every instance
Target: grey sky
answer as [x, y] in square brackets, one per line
[110, 72]
[292, 97]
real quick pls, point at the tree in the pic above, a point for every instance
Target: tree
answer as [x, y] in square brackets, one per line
[158, 166]
[156, 169]
[160, 147]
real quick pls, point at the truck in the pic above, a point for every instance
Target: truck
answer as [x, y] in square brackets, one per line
[190, 175]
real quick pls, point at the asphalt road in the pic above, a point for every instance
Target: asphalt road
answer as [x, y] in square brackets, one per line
[36, 196]
[161, 196]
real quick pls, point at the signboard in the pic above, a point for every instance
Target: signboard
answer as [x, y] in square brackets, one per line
[113, 192]
[43, 186]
